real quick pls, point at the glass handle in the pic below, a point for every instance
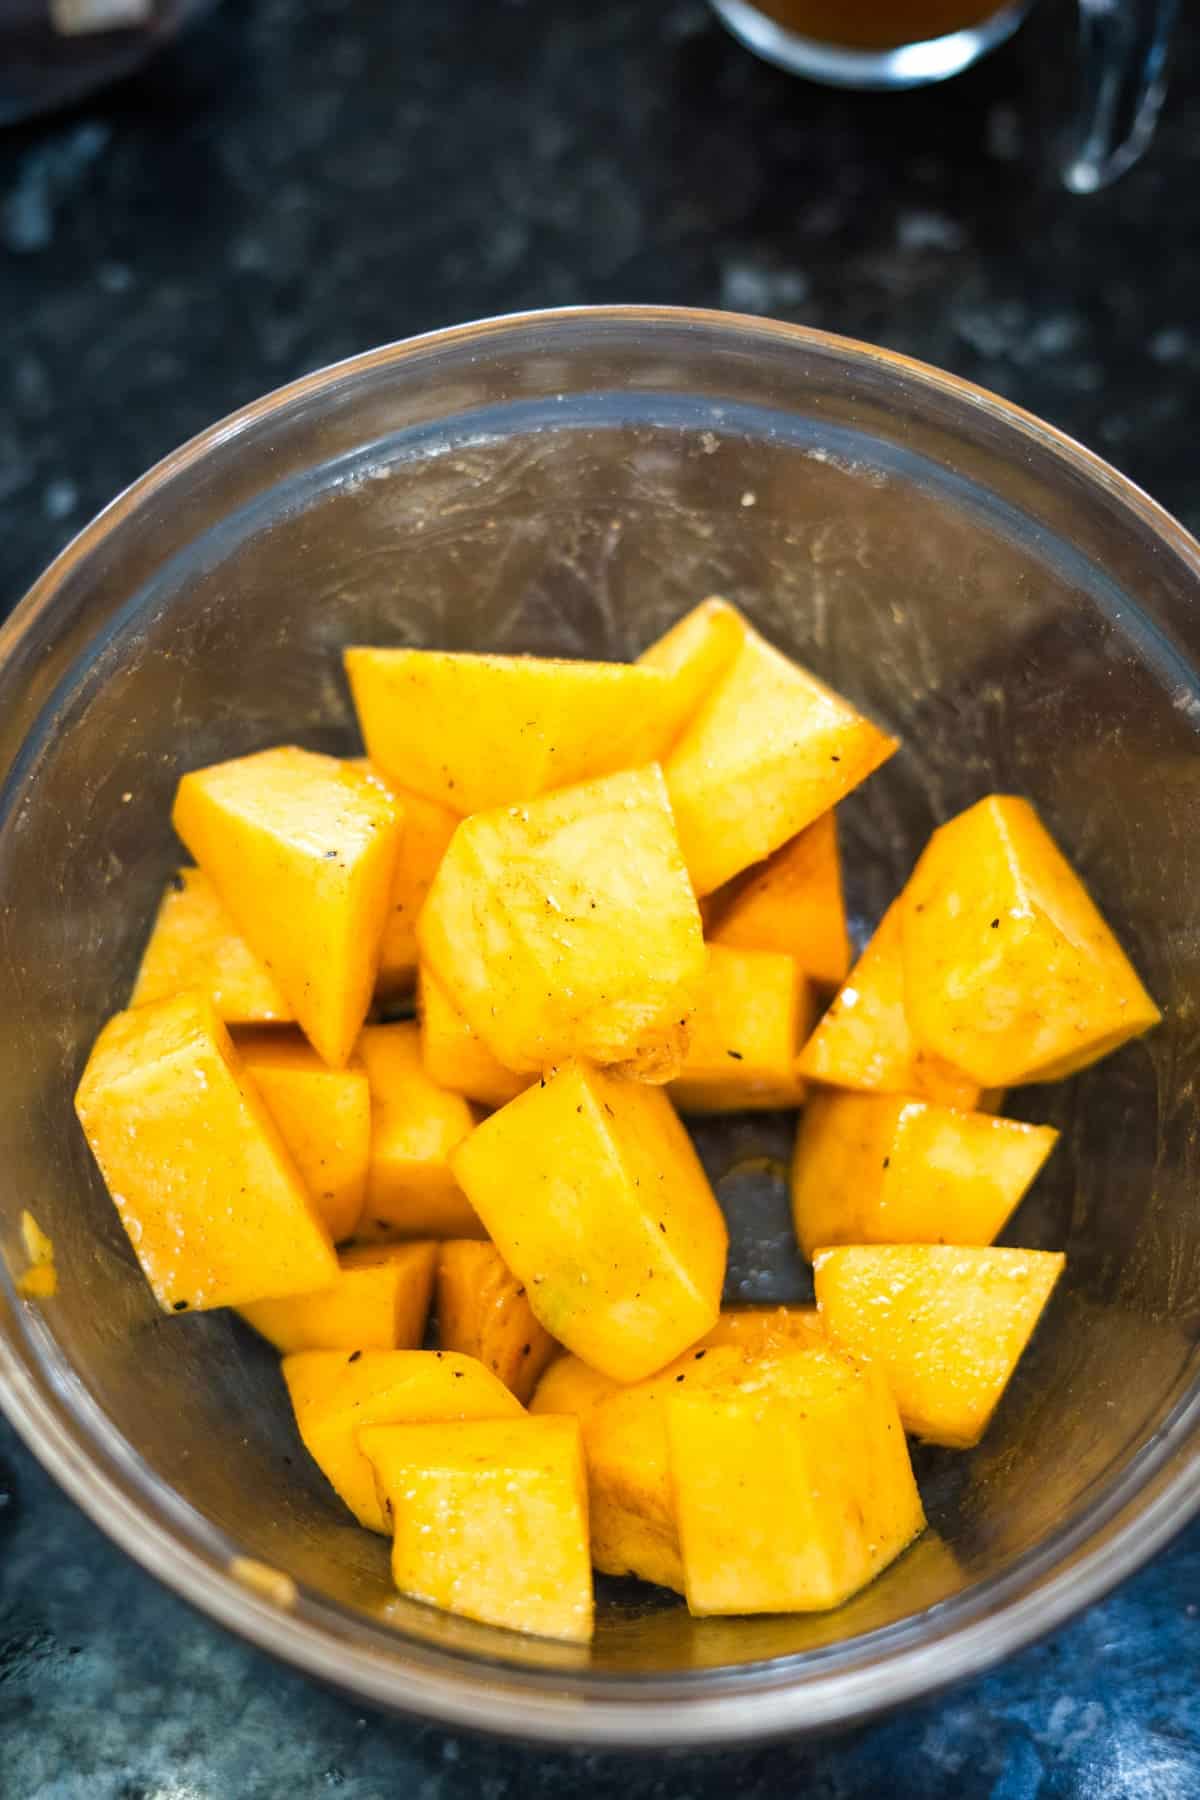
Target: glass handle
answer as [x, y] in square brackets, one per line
[1123, 58]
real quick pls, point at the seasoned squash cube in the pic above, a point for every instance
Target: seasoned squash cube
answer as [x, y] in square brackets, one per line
[415, 1124]
[865, 1040]
[484, 1311]
[761, 1330]
[194, 943]
[379, 1300]
[455, 1056]
[1009, 968]
[947, 1325]
[428, 829]
[771, 749]
[572, 1387]
[695, 653]
[567, 927]
[594, 1195]
[490, 1520]
[210, 1198]
[755, 1011]
[301, 849]
[335, 1395]
[324, 1118]
[792, 903]
[879, 1169]
[792, 1488]
[474, 732]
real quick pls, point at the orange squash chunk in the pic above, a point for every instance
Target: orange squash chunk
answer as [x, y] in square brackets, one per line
[792, 903]
[194, 943]
[484, 1311]
[695, 653]
[755, 1011]
[415, 1127]
[324, 1117]
[378, 1300]
[455, 1056]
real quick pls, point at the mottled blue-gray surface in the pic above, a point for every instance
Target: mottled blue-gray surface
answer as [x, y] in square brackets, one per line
[299, 179]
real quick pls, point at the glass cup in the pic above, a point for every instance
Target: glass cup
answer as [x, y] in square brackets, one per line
[1122, 46]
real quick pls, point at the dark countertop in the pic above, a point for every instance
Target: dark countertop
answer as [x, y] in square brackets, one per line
[294, 182]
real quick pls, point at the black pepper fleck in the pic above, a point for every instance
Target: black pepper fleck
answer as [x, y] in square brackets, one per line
[354, 1356]
[180, 1306]
[736, 1055]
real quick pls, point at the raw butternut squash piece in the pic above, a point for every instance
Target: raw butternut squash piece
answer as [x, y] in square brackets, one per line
[946, 1325]
[194, 943]
[213, 1204]
[324, 1117]
[379, 1300]
[792, 903]
[483, 1311]
[1009, 967]
[625, 1438]
[865, 1040]
[415, 1125]
[455, 1056]
[755, 1011]
[475, 732]
[567, 927]
[695, 653]
[594, 1196]
[570, 1386]
[771, 749]
[428, 829]
[489, 1520]
[301, 849]
[879, 1169]
[335, 1395]
[792, 1488]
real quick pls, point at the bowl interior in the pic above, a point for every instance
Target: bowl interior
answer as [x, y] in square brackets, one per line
[571, 486]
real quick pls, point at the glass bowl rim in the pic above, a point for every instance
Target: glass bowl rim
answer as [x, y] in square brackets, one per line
[1152, 1498]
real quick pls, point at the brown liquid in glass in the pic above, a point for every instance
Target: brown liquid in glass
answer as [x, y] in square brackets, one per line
[876, 24]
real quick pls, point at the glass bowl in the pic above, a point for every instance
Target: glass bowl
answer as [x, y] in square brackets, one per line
[569, 483]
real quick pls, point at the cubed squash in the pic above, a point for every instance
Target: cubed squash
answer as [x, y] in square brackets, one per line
[194, 943]
[455, 1056]
[567, 927]
[335, 1395]
[771, 749]
[761, 1330]
[695, 653]
[571, 1386]
[428, 828]
[301, 849]
[593, 1193]
[483, 1311]
[474, 732]
[946, 1324]
[324, 1117]
[865, 1041]
[879, 1169]
[213, 1204]
[379, 1300]
[755, 1011]
[1009, 968]
[792, 903]
[792, 1487]
[415, 1125]
[489, 1520]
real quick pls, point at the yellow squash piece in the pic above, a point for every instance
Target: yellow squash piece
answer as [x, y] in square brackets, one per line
[415, 1125]
[475, 732]
[695, 653]
[212, 1202]
[792, 1488]
[302, 849]
[194, 943]
[792, 903]
[865, 1041]
[324, 1117]
[455, 1056]
[40, 1280]
[755, 1011]
[378, 1301]
[771, 749]
[1009, 968]
[879, 1169]
[567, 927]
[483, 1311]
[947, 1325]
[570, 1386]
[428, 829]
[490, 1520]
[594, 1195]
[625, 1436]
[334, 1395]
